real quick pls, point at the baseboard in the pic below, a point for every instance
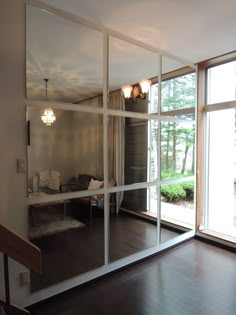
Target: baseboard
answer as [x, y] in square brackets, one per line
[215, 242]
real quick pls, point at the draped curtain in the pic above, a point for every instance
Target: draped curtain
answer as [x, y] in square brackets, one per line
[116, 143]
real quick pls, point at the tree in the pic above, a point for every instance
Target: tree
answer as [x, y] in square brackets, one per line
[177, 93]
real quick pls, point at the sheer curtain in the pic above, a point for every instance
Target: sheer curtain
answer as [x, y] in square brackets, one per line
[116, 143]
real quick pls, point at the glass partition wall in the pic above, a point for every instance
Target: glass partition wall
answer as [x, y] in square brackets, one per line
[111, 176]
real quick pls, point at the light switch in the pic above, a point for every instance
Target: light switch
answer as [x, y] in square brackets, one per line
[24, 277]
[20, 168]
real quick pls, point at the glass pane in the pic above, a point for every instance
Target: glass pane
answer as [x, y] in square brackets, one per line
[221, 83]
[153, 98]
[70, 234]
[177, 204]
[185, 116]
[66, 155]
[152, 162]
[222, 172]
[129, 232]
[129, 64]
[132, 150]
[177, 149]
[178, 86]
[68, 54]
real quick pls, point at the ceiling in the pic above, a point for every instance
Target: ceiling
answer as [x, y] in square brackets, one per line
[192, 30]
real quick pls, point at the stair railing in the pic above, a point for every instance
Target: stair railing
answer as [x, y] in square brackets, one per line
[22, 251]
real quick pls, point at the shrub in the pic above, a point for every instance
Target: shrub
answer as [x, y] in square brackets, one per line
[173, 192]
[189, 189]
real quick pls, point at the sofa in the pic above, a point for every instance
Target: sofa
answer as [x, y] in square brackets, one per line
[88, 182]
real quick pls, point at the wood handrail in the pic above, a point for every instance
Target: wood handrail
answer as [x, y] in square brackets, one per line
[20, 249]
[16, 310]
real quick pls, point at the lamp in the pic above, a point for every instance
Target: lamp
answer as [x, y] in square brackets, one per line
[138, 91]
[48, 116]
[127, 89]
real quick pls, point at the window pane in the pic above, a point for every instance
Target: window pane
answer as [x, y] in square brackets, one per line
[129, 232]
[70, 234]
[128, 150]
[128, 65]
[178, 85]
[153, 99]
[177, 149]
[69, 54]
[221, 83]
[65, 156]
[177, 203]
[222, 172]
[179, 92]
[152, 150]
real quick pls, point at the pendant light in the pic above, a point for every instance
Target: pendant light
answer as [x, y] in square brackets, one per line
[48, 116]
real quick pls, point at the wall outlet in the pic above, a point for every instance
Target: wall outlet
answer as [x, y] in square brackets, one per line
[20, 166]
[24, 277]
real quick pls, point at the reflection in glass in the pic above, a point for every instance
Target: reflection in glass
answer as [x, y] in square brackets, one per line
[69, 54]
[177, 149]
[130, 233]
[60, 156]
[136, 145]
[70, 234]
[177, 204]
[128, 150]
[133, 151]
[178, 86]
[129, 65]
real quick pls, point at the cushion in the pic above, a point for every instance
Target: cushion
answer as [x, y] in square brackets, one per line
[95, 184]
[44, 178]
[84, 180]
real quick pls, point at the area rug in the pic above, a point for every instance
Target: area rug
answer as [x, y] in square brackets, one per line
[51, 223]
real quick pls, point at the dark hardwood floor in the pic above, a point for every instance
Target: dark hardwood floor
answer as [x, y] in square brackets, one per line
[77, 251]
[193, 278]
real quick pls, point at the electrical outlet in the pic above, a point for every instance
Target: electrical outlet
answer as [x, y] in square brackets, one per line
[20, 166]
[24, 277]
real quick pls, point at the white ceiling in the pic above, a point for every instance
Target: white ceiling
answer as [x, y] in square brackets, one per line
[192, 30]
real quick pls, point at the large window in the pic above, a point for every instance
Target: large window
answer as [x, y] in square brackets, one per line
[218, 216]
[221, 83]
[177, 149]
[221, 172]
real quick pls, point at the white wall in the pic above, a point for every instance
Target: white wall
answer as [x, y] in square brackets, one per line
[13, 210]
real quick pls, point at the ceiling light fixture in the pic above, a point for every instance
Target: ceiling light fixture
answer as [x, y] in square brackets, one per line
[131, 93]
[48, 116]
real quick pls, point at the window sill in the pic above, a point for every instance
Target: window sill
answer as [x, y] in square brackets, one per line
[218, 237]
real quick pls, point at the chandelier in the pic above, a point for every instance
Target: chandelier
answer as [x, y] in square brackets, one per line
[48, 116]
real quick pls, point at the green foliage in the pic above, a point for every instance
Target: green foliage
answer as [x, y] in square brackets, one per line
[189, 189]
[173, 192]
[176, 192]
[168, 174]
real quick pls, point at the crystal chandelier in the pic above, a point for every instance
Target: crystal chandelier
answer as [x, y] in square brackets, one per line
[48, 116]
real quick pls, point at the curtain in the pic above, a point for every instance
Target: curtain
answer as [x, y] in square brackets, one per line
[97, 141]
[116, 143]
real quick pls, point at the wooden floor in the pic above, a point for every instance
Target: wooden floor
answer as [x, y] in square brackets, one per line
[193, 278]
[76, 251]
